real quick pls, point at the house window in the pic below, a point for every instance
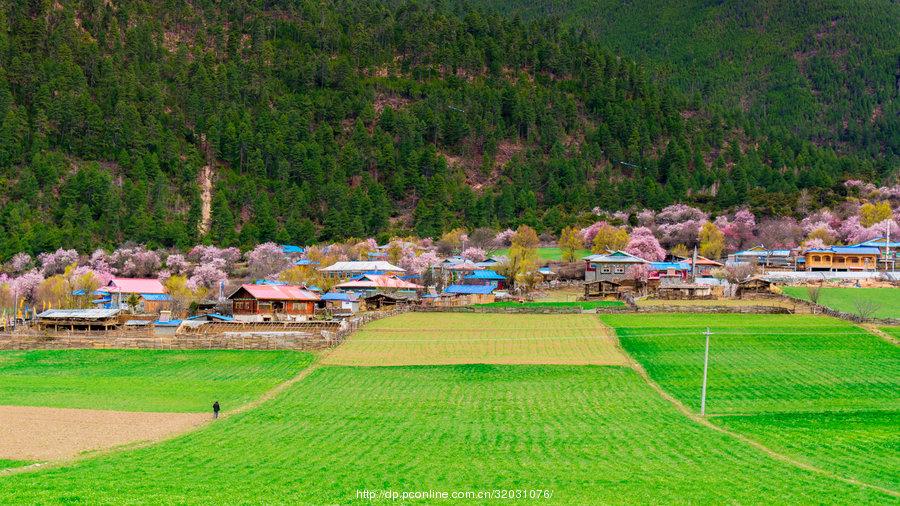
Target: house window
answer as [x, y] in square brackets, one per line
[605, 270]
[854, 260]
[816, 258]
[620, 269]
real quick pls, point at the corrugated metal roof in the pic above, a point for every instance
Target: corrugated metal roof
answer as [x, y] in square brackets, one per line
[616, 257]
[278, 292]
[485, 274]
[289, 249]
[847, 250]
[135, 285]
[368, 281]
[79, 313]
[469, 289]
[340, 296]
[664, 266]
[362, 266]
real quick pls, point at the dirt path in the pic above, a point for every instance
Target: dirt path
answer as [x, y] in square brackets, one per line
[704, 421]
[36, 433]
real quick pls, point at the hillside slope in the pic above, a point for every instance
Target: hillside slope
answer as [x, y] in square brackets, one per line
[167, 122]
[827, 70]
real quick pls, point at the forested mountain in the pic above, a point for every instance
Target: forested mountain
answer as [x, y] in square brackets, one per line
[826, 70]
[171, 121]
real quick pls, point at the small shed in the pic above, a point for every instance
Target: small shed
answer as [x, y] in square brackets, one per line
[79, 319]
[385, 300]
[601, 288]
[753, 287]
[684, 291]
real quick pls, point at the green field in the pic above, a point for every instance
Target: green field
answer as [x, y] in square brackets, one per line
[893, 331]
[584, 304]
[142, 380]
[8, 464]
[886, 300]
[549, 254]
[469, 338]
[816, 388]
[589, 435]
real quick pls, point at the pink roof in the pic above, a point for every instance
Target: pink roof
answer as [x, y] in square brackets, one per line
[135, 285]
[279, 292]
[379, 281]
[467, 265]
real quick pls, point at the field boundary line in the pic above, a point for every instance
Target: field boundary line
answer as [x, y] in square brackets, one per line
[243, 408]
[873, 329]
[736, 435]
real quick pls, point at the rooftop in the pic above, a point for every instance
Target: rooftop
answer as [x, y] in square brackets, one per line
[469, 289]
[362, 266]
[277, 292]
[135, 285]
[615, 257]
[368, 281]
[83, 314]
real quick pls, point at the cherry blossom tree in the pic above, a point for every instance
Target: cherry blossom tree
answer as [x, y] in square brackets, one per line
[202, 254]
[590, 232]
[19, 263]
[176, 263]
[266, 260]
[56, 262]
[474, 254]
[504, 238]
[644, 244]
[26, 285]
[134, 262]
[208, 275]
[740, 230]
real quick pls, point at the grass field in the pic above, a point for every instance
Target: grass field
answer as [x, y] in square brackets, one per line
[460, 338]
[816, 388]
[8, 464]
[142, 380]
[585, 304]
[589, 435]
[550, 254]
[893, 331]
[844, 299]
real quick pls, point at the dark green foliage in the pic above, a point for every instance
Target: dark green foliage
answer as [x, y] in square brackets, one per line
[323, 122]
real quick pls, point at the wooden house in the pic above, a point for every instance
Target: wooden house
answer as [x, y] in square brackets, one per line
[669, 272]
[842, 258]
[150, 295]
[272, 302]
[889, 251]
[349, 270]
[383, 283]
[610, 266]
[602, 288]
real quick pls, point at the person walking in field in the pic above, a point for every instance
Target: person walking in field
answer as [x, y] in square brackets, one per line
[216, 410]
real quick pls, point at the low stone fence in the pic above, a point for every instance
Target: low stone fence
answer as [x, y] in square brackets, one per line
[228, 337]
[715, 309]
[261, 341]
[820, 309]
[523, 310]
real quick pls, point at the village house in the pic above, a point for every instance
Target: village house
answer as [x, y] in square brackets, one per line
[383, 283]
[888, 251]
[256, 303]
[341, 303]
[842, 258]
[669, 272]
[150, 295]
[762, 257]
[612, 266]
[485, 277]
[472, 294]
[352, 269]
[705, 266]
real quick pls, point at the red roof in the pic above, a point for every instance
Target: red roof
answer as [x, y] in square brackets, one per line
[379, 281]
[704, 261]
[279, 292]
[135, 285]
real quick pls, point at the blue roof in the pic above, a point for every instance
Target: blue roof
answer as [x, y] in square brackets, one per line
[879, 242]
[313, 288]
[485, 274]
[78, 292]
[170, 323]
[213, 316]
[469, 289]
[845, 250]
[306, 261]
[545, 270]
[269, 282]
[664, 266]
[290, 249]
[155, 296]
[342, 296]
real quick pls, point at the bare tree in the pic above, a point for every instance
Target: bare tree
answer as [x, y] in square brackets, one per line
[866, 308]
[812, 293]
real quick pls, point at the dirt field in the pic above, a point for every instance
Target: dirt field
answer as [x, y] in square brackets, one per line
[39, 434]
[454, 338]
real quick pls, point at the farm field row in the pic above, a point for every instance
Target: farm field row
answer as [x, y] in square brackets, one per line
[586, 434]
[818, 389]
[460, 338]
[142, 380]
[884, 301]
[584, 304]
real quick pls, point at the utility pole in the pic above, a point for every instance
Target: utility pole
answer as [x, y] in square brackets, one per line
[694, 266]
[705, 369]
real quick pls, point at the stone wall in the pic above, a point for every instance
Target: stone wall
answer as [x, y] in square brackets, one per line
[244, 339]
[715, 309]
